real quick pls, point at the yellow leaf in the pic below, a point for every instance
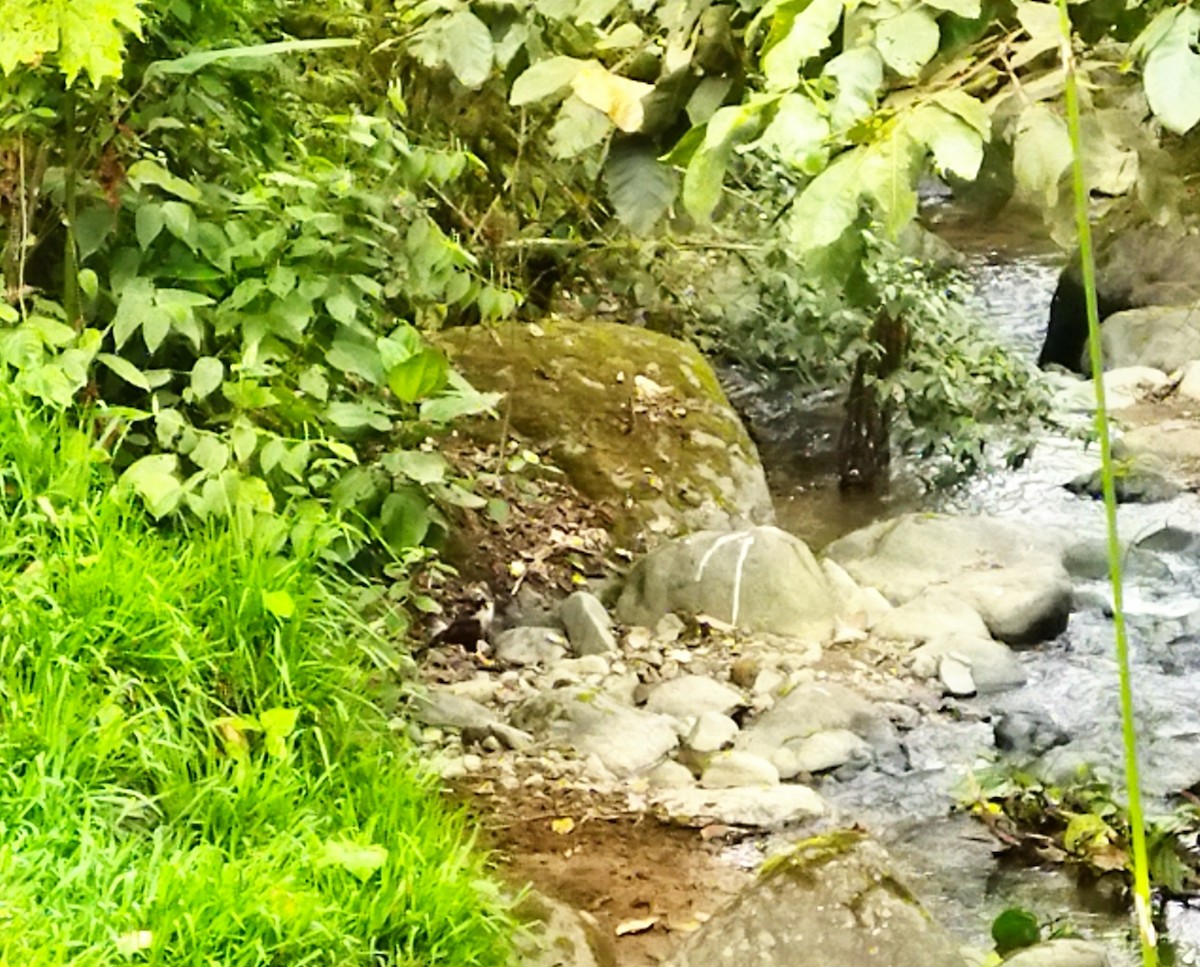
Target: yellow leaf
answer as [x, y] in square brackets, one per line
[618, 97]
[563, 825]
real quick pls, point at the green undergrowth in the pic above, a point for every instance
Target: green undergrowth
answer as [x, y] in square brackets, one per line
[191, 770]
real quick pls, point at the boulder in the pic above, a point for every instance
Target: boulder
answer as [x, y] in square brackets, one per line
[1063, 952]
[529, 646]
[1028, 733]
[1189, 382]
[993, 667]
[1177, 442]
[728, 770]
[636, 420]
[760, 807]
[1020, 605]
[589, 628]
[712, 732]
[931, 614]
[1162, 337]
[903, 556]
[1139, 266]
[833, 901]
[625, 740]
[759, 580]
[691, 695]
[1132, 484]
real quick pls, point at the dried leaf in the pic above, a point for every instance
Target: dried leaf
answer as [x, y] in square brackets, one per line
[635, 926]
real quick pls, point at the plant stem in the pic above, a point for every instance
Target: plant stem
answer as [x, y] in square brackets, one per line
[70, 253]
[1141, 870]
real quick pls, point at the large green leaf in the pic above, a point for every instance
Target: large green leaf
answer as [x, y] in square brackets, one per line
[88, 37]
[421, 375]
[190, 63]
[155, 479]
[639, 186]
[207, 374]
[1171, 73]
[908, 42]
[469, 51]
[1041, 23]
[125, 369]
[1041, 152]
[799, 31]
[798, 133]
[544, 79]
[828, 206]
[859, 76]
[706, 171]
[957, 147]
[577, 128]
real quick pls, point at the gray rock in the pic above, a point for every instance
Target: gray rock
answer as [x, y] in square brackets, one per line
[833, 900]
[625, 740]
[1088, 559]
[1132, 485]
[670, 774]
[729, 770]
[992, 666]
[760, 579]
[1176, 441]
[440, 707]
[711, 733]
[559, 935]
[931, 614]
[1189, 383]
[904, 556]
[589, 627]
[691, 695]
[853, 600]
[956, 676]
[1064, 952]
[1020, 605]
[822, 751]
[668, 629]
[761, 807]
[1159, 336]
[529, 646]
[1028, 733]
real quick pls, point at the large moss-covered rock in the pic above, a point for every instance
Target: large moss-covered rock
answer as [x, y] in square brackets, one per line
[636, 419]
[832, 901]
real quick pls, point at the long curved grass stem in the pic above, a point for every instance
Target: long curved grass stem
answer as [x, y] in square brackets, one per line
[1141, 873]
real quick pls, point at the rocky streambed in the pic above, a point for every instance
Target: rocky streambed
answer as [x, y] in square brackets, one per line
[733, 682]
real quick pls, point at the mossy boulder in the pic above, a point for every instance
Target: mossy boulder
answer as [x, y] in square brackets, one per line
[833, 901]
[636, 419]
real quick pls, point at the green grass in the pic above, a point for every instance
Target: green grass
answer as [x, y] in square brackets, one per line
[191, 771]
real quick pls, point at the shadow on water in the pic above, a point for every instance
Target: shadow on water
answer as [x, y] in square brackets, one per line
[948, 856]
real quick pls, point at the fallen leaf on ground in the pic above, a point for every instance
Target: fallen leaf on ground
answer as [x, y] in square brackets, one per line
[635, 926]
[562, 825]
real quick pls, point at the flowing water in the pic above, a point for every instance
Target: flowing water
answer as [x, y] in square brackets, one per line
[1073, 678]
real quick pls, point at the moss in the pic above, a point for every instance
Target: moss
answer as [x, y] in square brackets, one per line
[636, 419]
[812, 853]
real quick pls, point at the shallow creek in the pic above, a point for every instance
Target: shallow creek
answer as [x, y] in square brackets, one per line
[950, 858]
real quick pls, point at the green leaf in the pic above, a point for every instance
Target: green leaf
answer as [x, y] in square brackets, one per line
[357, 416]
[125, 369]
[190, 63]
[180, 221]
[967, 9]
[417, 465]
[705, 173]
[797, 134]
[799, 31]
[1041, 153]
[207, 374]
[87, 37]
[579, 126]
[859, 76]
[361, 862]
[155, 479]
[278, 723]
[92, 227]
[149, 223]
[244, 440]
[544, 79]
[463, 400]
[1041, 22]
[280, 604]
[1015, 928]
[421, 375]
[640, 187]
[968, 108]
[908, 42]
[1171, 73]
[357, 357]
[469, 51]
[957, 147]
[342, 306]
[210, 454]
[405, 517]
[147, 171]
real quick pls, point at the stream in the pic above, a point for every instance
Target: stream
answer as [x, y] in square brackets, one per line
[949, 858]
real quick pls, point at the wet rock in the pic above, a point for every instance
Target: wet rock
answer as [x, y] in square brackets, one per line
[559, 935]
[1161, 336]
[712, 732]
[529, 646]
[691, 695]
[809, 709]
[728, 770]
[670, 775]
[1064, 952]
[932, 614]
[589, 627]
[625, 740]
[904, 556]
[760, 579]
[992, 666]
[769, 807]
[441, 707]
[1020, 605]
[821, 752]
[636, 419]
[832, 900]
[1131, 485]
[1028, 733]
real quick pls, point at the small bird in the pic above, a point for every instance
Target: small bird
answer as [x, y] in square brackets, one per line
[472, 628]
